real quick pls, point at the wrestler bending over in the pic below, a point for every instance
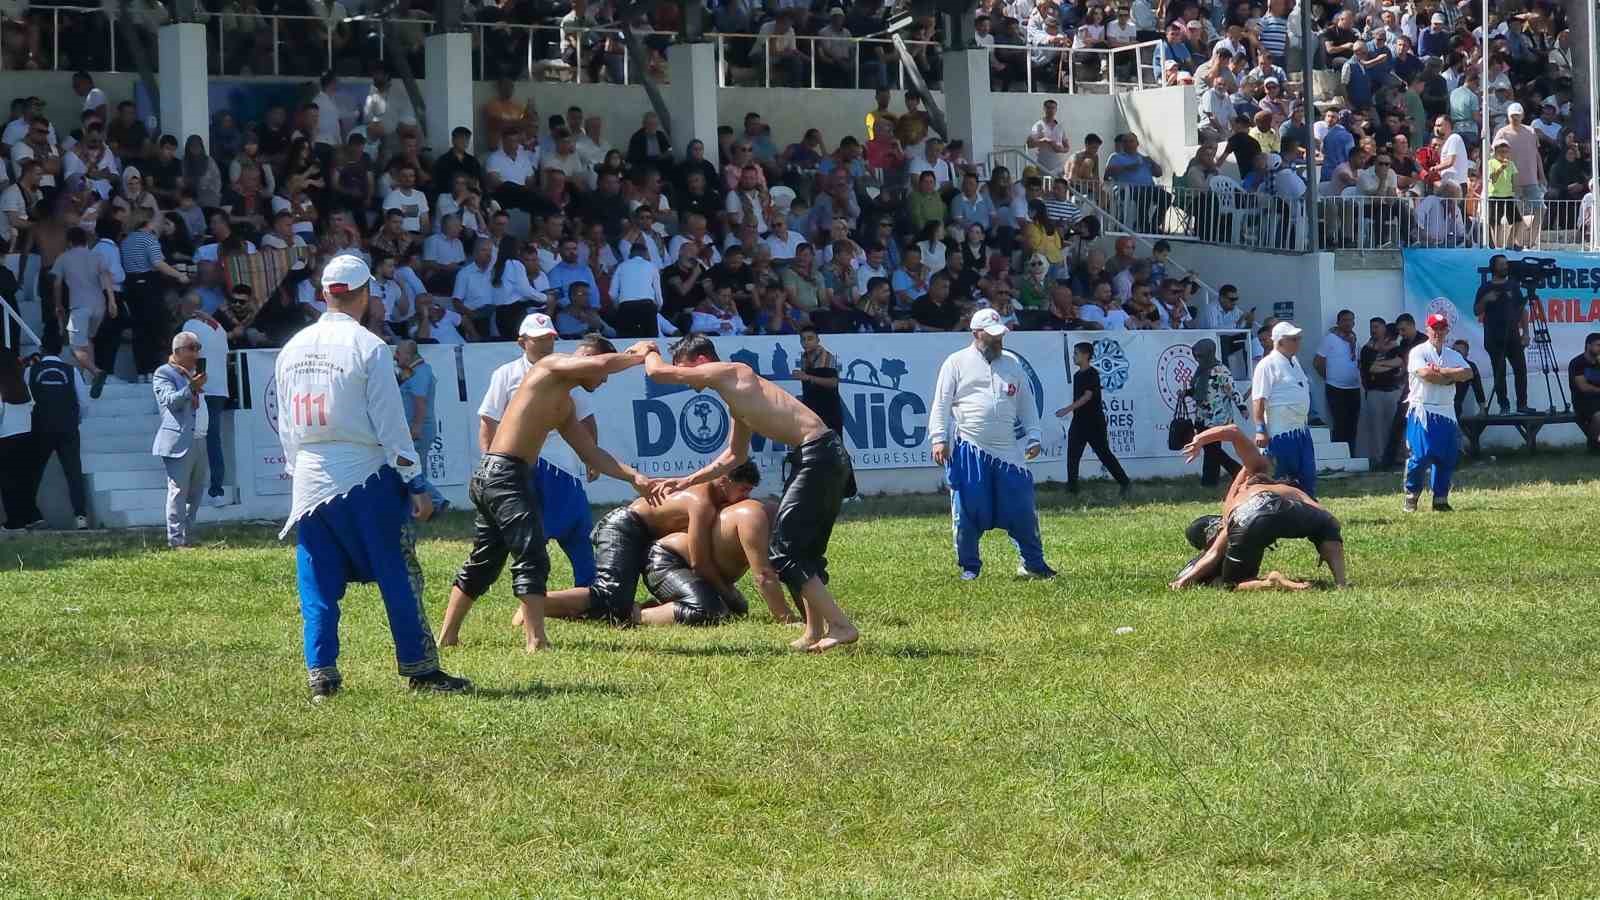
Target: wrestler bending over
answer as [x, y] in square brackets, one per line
[684, 596]
[819, 470]
[1256, 513]
[508, 507]
[622, 541]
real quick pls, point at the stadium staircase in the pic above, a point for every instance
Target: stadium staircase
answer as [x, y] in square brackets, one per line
[128, 486]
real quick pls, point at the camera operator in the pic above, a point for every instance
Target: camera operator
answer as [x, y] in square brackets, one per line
[1502, 305]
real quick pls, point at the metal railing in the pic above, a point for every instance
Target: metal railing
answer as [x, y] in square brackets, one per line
[1097, 198]
[275, 44]
[1237, 217]
[14, 332]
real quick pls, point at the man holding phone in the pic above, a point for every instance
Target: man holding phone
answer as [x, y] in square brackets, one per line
[180, 391]
[213, 354]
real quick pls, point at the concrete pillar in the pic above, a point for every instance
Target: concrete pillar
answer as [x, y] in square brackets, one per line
[184, 82]
[447, 91]
[968, 112]
[692, 95]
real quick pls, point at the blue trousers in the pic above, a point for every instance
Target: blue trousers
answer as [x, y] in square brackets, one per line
[1294, 459]
[215, 407]
[986, 493]
[567, 519]
[1435, 442]
[364, 535]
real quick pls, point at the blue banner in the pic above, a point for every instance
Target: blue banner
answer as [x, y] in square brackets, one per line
[1447, 281]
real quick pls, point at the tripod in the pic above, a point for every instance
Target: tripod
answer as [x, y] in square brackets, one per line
[1547, 353]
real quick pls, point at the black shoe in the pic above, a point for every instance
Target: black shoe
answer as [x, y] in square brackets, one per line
[1044, 573]
[1125, 491]
[440, 682]
[97, 387]
[1505, 408]
[324, 689]
[1442, 506]
[1411, 503]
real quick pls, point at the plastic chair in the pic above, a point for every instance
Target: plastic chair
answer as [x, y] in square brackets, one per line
[1227, 192]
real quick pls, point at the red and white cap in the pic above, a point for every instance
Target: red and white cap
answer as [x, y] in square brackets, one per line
[989, 322]
[1438, 320]
[536, 325]
[344, 274]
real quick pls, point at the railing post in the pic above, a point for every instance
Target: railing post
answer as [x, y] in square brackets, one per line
[112, 40]
[381, 57]
[55, 37]
[900, 68]
[625, 55]
[1027, 68]
[222, 41]
[856, 46]
[722, 63]
[1111, 69]
[1138, 66]
[577, 77]
[813, 63]
[327, 29]
[276, 67]
[766, 63]
[1072, 73]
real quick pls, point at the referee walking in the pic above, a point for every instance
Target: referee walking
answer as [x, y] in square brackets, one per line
[144, 290]
[357, 483]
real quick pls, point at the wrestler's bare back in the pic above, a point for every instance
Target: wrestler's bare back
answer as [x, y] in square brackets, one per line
[727, 550]
[672, 513]
[765, 408]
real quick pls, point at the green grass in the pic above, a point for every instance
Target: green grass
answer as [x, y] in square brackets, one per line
[1432, 732]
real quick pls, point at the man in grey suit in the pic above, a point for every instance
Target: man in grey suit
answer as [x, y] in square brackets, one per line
[180, 442]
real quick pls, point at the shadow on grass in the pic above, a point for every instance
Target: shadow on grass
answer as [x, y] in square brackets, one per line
[540, 691]
[781, 648]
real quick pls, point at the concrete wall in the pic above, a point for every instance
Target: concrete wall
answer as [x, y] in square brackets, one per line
[1163, 119]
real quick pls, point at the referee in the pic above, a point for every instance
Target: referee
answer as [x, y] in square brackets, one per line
[144, 265]
[349, 451]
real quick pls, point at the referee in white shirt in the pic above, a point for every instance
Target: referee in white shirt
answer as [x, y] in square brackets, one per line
[981, 395]
[348, 449]
[1431, 430]
[1280, 406]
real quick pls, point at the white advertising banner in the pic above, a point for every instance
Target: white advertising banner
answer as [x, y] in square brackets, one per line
[454, 448]
[1142, 376]
[886, 386]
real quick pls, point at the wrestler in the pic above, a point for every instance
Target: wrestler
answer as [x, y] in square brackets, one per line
[819, 470]
[507, 502]
[739, 544]
[623, 537]
[1256, 513]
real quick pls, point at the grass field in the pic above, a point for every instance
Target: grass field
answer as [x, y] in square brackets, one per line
[1432, 732]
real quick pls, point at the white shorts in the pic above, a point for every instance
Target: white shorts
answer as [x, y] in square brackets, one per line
[82, 323]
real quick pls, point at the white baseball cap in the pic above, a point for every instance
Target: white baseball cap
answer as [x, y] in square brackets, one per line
[1284, 330]
[344, 274]
[536, 325]
[1514, 109]
[988, 322]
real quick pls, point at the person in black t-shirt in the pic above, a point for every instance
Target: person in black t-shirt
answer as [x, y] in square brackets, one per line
[163, 174]
[1583, 377]
[734, 272]
[1088, 427]
[1503, 308]
[1241, 146]
[1475, 386]
[937, 310]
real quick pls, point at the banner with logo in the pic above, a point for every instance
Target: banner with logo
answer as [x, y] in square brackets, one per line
[886, 386]
[454, 447]
[1142, 376]
[1447, 281]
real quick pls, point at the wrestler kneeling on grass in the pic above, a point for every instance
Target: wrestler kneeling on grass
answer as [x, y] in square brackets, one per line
[1257, 512]
[682, 596]
[622, 546]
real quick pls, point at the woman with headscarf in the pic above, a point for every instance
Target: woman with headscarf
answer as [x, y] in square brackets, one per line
[200, 172]
[134, 193]
[1215, 400]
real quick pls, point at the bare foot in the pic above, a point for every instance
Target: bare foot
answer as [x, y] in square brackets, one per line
[516, 617]
[536, 645]
[803, 643]
[837, 637]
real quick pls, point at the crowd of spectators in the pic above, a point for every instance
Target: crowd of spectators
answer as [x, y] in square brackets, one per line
[1401, 130]
[894, 233]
